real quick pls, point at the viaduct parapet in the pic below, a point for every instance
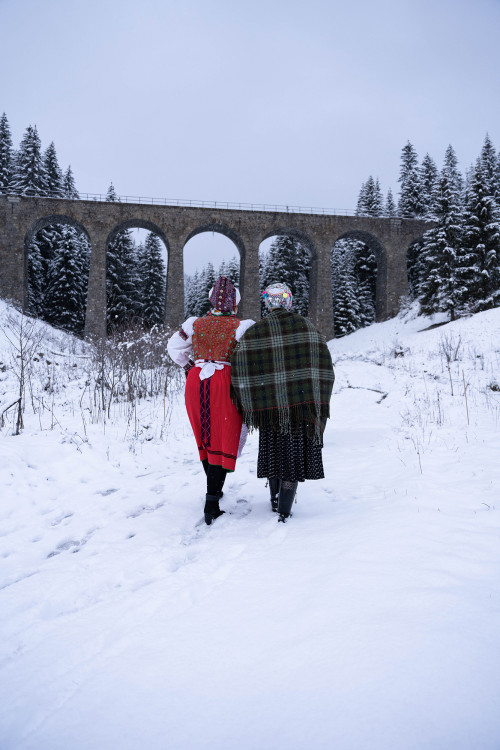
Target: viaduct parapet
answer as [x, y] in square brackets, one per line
[22, 217]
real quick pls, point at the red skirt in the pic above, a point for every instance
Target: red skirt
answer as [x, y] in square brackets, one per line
[214, 418]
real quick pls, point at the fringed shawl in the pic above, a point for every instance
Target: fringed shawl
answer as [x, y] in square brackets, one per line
[282, 375]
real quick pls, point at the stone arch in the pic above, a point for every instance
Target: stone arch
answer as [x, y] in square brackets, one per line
[37, 226]
[46, 221]
[138, 224]
[306, 242]
[220, 248]
[375, 244]
[221, 228]
[149, 226]
[297, 234]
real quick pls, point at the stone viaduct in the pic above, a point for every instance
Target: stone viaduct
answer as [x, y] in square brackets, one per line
[21, 218]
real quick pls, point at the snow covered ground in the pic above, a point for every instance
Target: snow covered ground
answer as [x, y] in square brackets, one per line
[370, 621]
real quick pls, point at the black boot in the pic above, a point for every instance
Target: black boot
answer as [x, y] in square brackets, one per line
[285, 499]
[223, 479]
[216, 476]
[274, 487]
[211, 509]
[219, 493]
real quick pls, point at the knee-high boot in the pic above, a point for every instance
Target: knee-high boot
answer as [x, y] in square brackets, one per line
[274, 488]
[216, 476]
[285, 499]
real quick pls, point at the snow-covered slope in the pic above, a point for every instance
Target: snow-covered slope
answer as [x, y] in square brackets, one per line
[370, 621]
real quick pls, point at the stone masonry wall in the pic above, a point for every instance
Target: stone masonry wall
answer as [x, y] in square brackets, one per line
[21, 218]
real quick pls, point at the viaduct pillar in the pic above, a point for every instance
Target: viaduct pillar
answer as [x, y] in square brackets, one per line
[12, 255]
[320, 288]
[249, 278]
[95, 316]
[174, 293]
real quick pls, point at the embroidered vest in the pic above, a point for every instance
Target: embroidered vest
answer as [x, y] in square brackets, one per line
[214, 337]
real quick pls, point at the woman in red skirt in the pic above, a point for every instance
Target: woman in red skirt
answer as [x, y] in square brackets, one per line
[208, 342]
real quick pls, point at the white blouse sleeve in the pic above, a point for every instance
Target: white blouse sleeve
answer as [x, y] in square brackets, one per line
[243, 327]
[180, 345]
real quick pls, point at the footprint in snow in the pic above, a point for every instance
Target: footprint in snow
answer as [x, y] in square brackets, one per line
[145, 509]
[63, 547]
[241, 509]
[74, 545]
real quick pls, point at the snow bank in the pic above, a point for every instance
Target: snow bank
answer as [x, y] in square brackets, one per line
[370, 621]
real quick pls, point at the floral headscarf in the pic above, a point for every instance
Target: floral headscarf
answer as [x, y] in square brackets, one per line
[224, 296]
[277, 295]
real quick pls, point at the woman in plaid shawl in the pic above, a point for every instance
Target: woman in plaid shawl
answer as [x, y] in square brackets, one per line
[281, 381]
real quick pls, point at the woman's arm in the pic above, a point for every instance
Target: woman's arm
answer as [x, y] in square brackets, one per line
[180, 345]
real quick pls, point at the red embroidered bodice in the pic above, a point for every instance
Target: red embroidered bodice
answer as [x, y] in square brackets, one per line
[214, 337]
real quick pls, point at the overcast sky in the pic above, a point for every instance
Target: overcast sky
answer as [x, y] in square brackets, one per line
[269, 101]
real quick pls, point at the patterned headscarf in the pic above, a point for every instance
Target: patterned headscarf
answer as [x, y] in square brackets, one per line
[223, 295]
[277, 295]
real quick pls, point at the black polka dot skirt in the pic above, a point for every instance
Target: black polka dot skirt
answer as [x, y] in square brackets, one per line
[293, 458]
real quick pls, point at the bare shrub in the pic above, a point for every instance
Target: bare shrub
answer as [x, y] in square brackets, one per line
[127, 367]
[450, 348]
[24, 336]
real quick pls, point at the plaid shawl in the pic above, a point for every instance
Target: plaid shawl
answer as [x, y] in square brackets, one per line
[282, 375]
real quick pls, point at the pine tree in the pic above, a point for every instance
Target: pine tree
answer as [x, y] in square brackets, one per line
[479, 271]
[67, 283]
[344, 289]
[450, 166]
[6, 155]
[53, 174]
[47, 240]
[152, 273]
[29, 172]
[376, 201]
[440, 288]
[365, 268]
[415, 268]
[69, 187]
[190, 294]
[111, 195]
[121, 289]
[299, 284]
[121, 275]
[36, 280]
[206, 281]
[390, 205]
[497, 173]
[489, 165]
[428, 179]
[410, 200]
[233, 270]
[278, 261]
[362, 204]
[370, 201]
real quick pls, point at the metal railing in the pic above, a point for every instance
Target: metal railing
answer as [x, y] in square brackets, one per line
[188, 203]
[231, 206]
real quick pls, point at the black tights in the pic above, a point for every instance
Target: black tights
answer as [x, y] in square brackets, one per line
[216, 476]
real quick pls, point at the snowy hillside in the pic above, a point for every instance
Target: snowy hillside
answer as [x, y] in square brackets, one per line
[370, 621]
